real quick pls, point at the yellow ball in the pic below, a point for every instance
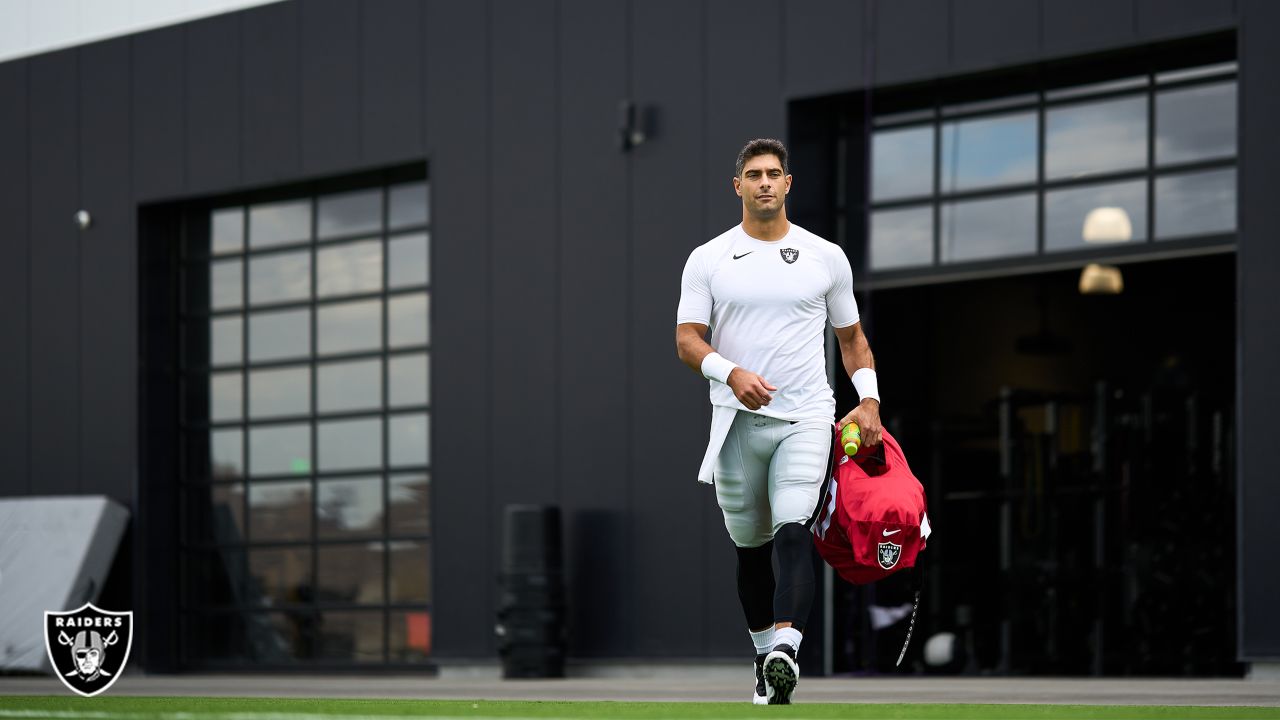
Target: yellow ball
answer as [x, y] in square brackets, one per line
[851, 438]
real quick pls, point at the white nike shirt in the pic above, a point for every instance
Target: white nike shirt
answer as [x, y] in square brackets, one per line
[767, 304]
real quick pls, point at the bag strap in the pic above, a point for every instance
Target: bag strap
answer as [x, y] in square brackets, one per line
[915, 607]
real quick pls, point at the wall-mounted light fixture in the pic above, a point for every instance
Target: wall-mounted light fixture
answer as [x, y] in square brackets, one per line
[631, 130]
[83, 220]
[1101, 226]
[1098, 279]
[1107, 225]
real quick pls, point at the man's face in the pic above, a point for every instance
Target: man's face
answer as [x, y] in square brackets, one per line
[762, 186]
[87, 660]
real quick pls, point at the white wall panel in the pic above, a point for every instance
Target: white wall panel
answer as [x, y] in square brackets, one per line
[52, 23]
[103, 19]
[13, 24]
[30, 27]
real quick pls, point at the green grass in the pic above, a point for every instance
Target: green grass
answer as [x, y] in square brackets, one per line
[194, 708]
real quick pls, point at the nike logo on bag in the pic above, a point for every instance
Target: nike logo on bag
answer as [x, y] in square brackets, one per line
[739, 257]
[887, 533]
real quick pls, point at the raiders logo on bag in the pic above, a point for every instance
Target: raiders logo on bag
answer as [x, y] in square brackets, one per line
[888, 554]
[88, 647]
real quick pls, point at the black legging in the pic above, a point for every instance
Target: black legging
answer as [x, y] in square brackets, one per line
[765, 602]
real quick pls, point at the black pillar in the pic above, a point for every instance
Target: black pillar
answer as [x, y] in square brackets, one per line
[1257, 310]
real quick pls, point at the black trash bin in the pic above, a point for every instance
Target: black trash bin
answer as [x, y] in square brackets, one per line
[531, 609]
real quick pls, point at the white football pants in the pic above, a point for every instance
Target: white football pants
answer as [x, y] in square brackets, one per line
[769, 473]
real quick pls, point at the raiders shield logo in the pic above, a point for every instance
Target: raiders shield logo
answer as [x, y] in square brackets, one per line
[88, 647]
[789, 254]
[888, 554]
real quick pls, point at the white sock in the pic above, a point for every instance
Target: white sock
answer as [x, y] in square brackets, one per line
[790, 636]
[763, 640]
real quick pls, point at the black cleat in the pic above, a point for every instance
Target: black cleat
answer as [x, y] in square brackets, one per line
[780, 674]
[761, 696]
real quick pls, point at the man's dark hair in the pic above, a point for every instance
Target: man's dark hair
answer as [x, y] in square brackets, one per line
[762, 146]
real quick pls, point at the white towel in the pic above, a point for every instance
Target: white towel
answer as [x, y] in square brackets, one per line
[882, 616]
[721, 421]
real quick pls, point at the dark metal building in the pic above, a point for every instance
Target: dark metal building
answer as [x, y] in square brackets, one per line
[487, 147]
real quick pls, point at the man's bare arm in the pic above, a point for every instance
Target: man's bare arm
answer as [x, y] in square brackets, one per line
[855, 353]
[750, 389]
[691, 345]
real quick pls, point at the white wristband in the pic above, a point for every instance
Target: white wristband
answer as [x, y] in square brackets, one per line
[864, 381]
[715, 367]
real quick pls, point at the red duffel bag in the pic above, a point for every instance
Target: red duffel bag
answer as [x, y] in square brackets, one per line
[873, 521]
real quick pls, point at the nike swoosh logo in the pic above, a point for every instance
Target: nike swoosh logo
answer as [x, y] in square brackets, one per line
[739, 257]
[887, 533]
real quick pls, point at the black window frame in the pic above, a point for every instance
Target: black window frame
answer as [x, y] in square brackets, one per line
[192, 371]
[934, 106]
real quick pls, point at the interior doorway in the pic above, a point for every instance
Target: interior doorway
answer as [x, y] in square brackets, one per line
[1077, 451]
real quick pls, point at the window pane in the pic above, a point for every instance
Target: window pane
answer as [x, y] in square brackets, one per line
[1196, 123]
[280, 510]
[218, 511]
[410, 635]
[226, 396]
[410, 439]
[901, 238]
[410, 205]
[226, 230]
[280, 576]
[410, 576]
[1196, 204]
[220, 637]
[1096, 137]
[349, 213]
[350, 327]
[349, 268]
[409, 321]
[226, 340]
[410, 504]
[407, 375]
[350, 507]
[350, 444]
[350, 573]
[279, 223]
[989, 151]
[279, 391]
[227, 512]
[226, 454]
[215, 577]
[282, 638]
[408, 263]
[1095, 216]
[902, 163]
[350, 386]
[351, 636]
[226, 284]
[280, 449]
[280, 277]
[277, 335]
[983, 229]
